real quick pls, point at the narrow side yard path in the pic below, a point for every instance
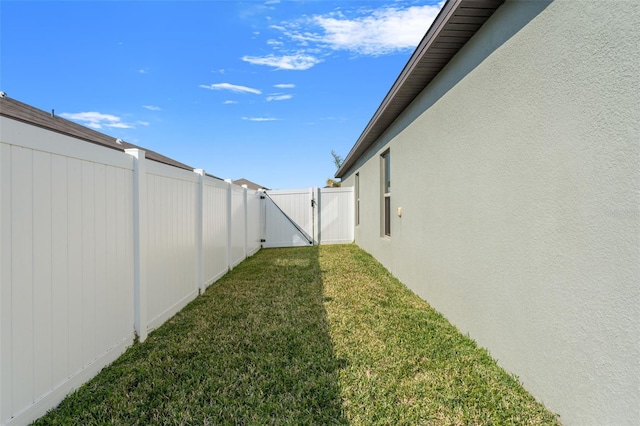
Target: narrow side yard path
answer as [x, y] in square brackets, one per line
[314, 335]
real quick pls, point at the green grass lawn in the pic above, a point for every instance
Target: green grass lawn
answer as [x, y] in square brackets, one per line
[304, 336]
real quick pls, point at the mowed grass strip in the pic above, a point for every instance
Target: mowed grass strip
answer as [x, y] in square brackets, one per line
[253, 349]
[304, 336]
[404, 363]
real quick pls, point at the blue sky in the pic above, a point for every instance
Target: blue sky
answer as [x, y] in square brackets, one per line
[257, 89]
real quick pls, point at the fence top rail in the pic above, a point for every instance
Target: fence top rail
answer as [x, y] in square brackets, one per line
[17, 133]
[160, 169]
[214, 182]
[339, 189]
[288, 191]
[307, 190]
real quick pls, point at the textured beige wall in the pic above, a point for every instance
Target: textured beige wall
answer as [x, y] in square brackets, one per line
[518, 173]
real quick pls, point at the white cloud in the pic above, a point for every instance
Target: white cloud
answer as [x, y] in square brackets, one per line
[152, 107]
[97, 120]
[259, 118]
[142, 71]
[378, 32]
[272, 2]
[231, 87]
[373, 32]
[284, 86]
[230, 102]
[142, 123]
[119, 125]
[298, 62]
[278, 97]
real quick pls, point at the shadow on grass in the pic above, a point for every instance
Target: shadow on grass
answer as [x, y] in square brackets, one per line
[254, 349]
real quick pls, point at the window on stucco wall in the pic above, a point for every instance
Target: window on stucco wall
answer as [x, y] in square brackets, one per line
[386, 192]
[357, 198]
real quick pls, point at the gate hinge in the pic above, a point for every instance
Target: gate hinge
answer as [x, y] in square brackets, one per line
[263, 241]
[262, 197]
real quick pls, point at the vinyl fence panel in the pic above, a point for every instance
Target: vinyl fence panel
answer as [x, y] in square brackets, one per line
[253, 222]
[336, 215]
[237, 225]
[215, 230]
[65, 266]
[172, 251]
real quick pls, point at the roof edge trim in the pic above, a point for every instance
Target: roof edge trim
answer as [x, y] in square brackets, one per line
[368, 137]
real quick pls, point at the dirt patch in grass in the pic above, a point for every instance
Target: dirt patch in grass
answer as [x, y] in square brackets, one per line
[304, 336]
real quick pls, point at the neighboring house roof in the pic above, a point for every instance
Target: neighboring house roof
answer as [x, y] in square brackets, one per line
[456, 23]
[250, 185]
[19, 111]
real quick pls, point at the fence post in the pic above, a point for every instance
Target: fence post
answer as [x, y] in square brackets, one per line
[315, 211]
[229, 223]
[200, 229]
[263, 217]
[246, 221]
[139, 242]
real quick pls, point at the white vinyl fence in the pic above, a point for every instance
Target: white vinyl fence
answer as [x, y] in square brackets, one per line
[335, 215]
[97, 245]
[302, 217]
[94, 243]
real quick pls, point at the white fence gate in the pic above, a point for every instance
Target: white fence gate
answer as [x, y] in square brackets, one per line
[302, 217]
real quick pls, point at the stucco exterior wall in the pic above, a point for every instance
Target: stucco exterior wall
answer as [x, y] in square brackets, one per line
[518, 174]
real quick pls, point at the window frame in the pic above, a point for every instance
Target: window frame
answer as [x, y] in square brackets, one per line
[385, 158]
[357, 197]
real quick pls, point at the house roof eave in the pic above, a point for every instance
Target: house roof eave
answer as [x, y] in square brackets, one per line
[456, 23]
